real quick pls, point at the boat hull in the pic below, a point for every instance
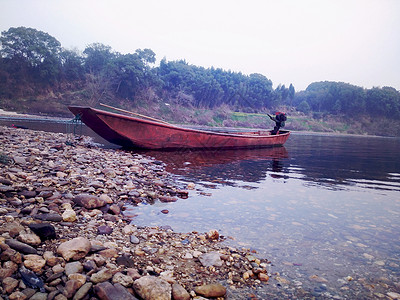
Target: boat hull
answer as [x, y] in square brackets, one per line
[135, 132]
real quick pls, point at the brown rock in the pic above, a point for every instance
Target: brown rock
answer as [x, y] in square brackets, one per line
[6, 272]
[11, 255]
[213, 234]
[168, 199]
[19, 160]
[115, 209]
[30, 239]
[211, 290]
[133, 273]
[78, 277]
[12, 228]
[9, 284]
[263, 277]
[17, 296]
[71, 286]
[89, 201]
[179, 293]
[59, 296]
[51, 259]
[74, 249]
[34, 262]
[109, 253]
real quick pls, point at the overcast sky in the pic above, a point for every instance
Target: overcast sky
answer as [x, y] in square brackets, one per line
[288, 41]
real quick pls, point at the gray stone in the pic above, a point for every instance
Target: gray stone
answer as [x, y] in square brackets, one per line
[19, 160]
[107, 291]
[39, 296]
[134, 239]
[20, 247]
[83, 291]
[101, 276]
[122, 279]
[73, 267]
[211, 259]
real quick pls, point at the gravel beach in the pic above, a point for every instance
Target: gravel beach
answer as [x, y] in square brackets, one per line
[64, 234]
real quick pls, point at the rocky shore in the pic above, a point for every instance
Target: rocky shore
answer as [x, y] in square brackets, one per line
[64, 233]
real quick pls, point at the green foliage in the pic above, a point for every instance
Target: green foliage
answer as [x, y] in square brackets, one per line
[304, 107]
[214, 87]
[29, 56]
[29, 45]
[345, 99]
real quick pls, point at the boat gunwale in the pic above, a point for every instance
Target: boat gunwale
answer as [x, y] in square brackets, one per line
[250, 134]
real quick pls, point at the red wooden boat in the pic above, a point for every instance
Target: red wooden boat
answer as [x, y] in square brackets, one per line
[137, 132]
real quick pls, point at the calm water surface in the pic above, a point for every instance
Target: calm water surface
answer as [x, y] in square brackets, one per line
[324, 209]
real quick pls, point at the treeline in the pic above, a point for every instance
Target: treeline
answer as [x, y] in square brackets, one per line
[340, 98]
[33, 63]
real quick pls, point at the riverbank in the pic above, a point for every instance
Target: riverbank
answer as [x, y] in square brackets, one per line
[65, 232]
[223, 117]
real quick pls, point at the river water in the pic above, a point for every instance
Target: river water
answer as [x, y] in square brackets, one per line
[324, 209]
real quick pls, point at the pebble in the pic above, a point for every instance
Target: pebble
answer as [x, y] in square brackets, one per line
[62, 227]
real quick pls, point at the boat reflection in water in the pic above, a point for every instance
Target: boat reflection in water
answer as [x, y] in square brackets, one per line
[224, 166]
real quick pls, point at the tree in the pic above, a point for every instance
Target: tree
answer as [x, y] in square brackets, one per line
[29, 44]
[35, 51]
[146, 55]
[98, 57]
[304, 107]
[72, 65]
[291, 94]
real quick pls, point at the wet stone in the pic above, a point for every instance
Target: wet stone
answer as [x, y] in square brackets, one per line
[45, 231]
